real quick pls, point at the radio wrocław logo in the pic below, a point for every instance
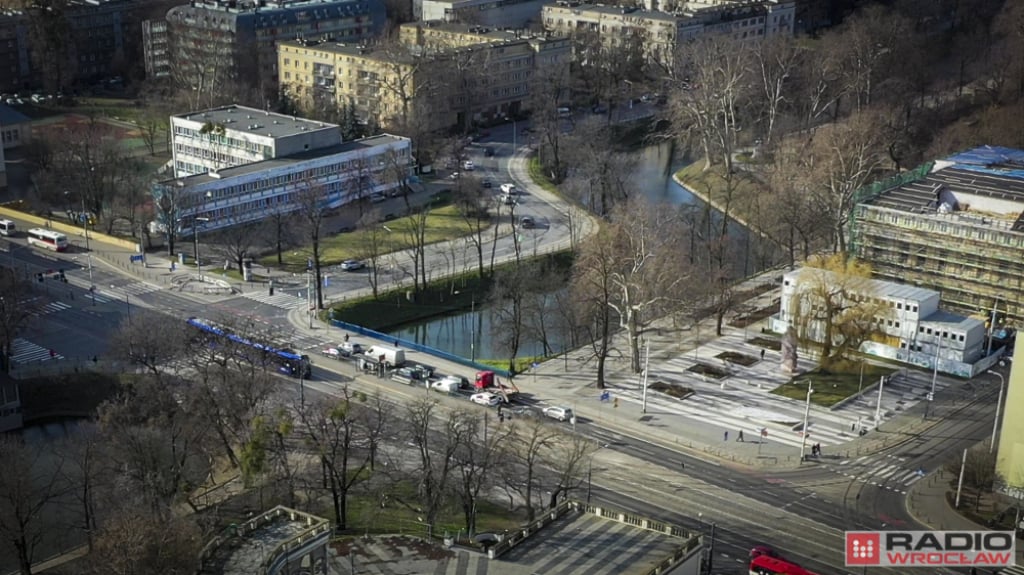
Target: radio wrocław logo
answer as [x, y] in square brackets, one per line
[930, 548]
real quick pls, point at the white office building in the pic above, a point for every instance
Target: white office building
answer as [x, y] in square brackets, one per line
[913, 330]
[230, 136]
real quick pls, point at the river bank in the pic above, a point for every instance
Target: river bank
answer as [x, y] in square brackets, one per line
[707, 186]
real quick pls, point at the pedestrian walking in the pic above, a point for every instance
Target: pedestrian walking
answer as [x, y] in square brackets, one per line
[740, 437]
[762, 354]
[682, 466]
[53, 354]
[616, 403]
[726, 436]
[346, 338]
[501, 417]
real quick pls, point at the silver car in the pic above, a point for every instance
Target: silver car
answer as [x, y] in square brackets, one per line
[559, 413]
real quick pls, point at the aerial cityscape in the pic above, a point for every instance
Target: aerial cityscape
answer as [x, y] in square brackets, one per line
[638, 287]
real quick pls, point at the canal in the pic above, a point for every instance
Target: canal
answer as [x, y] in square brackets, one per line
[470, 333]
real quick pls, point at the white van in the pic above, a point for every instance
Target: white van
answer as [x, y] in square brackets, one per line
[393, 356]
[508, 189]
[7, 228]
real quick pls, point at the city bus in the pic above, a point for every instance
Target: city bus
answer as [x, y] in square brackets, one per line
[285, 361]
[765, 565]
[48, 239]
[7, 228]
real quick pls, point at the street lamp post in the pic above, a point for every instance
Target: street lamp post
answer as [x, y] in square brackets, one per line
[88, 251]
[195, 240]
[807, 414]
[999, 402]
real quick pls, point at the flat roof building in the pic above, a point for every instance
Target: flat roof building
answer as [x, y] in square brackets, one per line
[292, 159]
[911, 329]
[228, 136]
[955, 226]
[505, 14]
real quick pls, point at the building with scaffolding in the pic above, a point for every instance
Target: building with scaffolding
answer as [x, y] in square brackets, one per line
[955, 226]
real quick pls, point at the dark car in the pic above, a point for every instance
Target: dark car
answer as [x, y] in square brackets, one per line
[489, 152]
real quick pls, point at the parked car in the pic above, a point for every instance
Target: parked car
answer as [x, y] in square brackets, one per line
[509, 189]
[468, 166]
[351, 348]
[458, 381]
[559, 413]
[527, 223]
[487, 183]
[488, 399]
[489, 152]
[352, 265]
[445, 386]
[454, 175]
[378, 197]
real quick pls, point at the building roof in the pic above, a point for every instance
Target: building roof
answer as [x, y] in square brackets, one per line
[986, 171]
[615, 10]
[236, 171]
[485, 33]
[253, 544]
[950, 320]
[876, 288]
[11, 117]
[242, 118]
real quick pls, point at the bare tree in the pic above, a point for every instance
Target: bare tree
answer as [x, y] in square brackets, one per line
[29, 490]
[236, 242]
[311, 199]
[775, 60]
[477, 459]
[374, 244]
[979, 471]
[414, 228]
[156, 350]
[16, 311]
[84, 473]
[474, 205]
[132, 543]
[529, 444]
[509, 293]
[650, 271]
[549, 86]
[436, 450]
[568, 456]
[593, 292]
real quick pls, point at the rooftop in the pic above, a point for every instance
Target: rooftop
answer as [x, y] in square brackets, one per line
[10, 117]
[616, 10]
[236, 171]
[950, 320]
[249, 547]
[242, 118]
[486, 34]
[877, 288]
[991, 176]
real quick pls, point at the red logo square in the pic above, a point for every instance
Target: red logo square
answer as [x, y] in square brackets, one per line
[863, 548]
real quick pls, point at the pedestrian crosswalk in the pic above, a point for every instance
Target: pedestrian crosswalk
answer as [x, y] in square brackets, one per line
[280, 299]
[132, 289]
[24, 351]
[50, 307]
[885, 471]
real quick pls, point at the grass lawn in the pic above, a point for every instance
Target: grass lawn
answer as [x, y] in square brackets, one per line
[365, 514]
[443, 223]
[711, 186]
[538, 176]
[522, 364]
[833, 385]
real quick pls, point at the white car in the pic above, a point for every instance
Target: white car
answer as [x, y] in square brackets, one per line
[508, 189]
[352, 265]
[559, 413]
[468, 166]
[485, 398]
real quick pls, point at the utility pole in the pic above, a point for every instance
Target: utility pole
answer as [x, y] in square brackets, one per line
[711, 550]
[878, 407]
[999, 402]
[647, 365]
[803, 440]
[960, 482]
[309, 297]
[935, 377]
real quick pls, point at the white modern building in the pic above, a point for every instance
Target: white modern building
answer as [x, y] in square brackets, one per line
[339, 174]
[230, 136]
[912, 330]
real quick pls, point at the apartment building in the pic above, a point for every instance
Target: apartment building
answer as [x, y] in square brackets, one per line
[912, 328]
[418, 83]
[956, 226]
[503, 14]
[235, 165]
[244, 33]
[661, 32]
[92, 40]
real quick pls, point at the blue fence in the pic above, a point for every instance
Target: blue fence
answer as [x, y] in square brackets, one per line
[417, 347]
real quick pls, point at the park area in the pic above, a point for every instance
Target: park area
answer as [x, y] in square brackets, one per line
[832, 384]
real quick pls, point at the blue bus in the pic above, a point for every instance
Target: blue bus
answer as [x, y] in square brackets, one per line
[286, 361]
